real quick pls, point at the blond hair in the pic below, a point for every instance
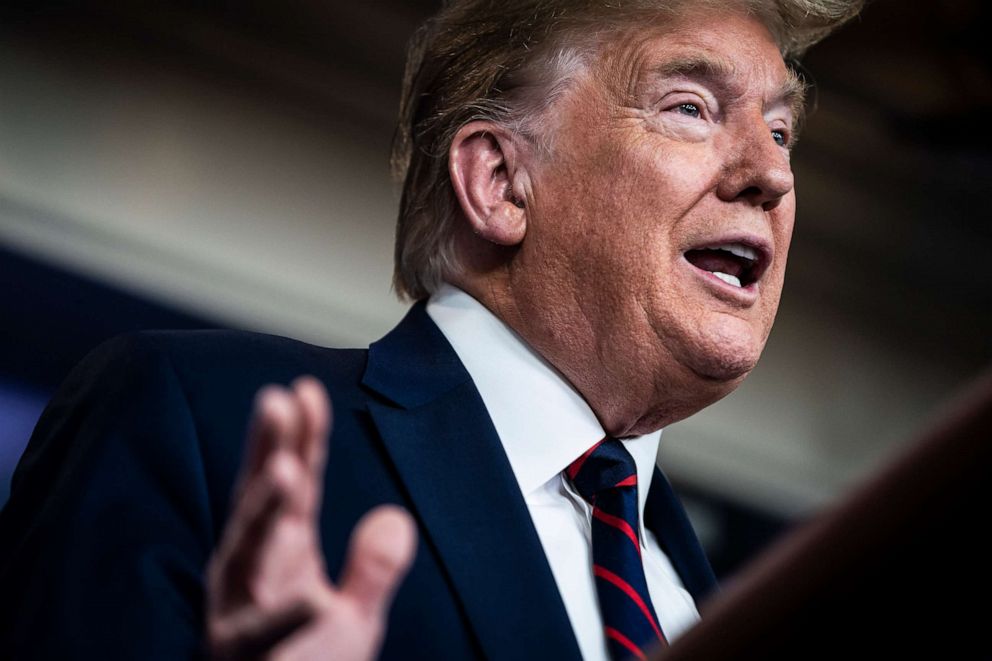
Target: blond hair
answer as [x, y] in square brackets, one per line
[507, 62]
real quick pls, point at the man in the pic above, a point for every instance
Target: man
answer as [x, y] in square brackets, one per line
[596, 214]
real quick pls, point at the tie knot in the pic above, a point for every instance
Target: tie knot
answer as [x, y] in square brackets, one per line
[606, 465]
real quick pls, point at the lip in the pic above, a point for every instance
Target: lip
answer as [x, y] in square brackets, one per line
[739, 296]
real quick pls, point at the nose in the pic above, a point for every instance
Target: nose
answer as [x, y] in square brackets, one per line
[759, 172]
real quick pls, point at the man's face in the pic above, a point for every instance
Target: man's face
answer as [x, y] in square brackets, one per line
[658, 228]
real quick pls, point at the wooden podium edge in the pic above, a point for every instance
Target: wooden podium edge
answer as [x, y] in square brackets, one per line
[950, 454]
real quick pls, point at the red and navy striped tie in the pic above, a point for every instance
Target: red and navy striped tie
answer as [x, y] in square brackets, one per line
[606, 477]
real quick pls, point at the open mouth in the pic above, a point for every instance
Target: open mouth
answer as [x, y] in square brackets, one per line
[737, 264]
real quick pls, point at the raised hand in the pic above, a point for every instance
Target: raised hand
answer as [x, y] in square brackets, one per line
[268, 594]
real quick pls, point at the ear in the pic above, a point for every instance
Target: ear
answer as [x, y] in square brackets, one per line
[483, 165]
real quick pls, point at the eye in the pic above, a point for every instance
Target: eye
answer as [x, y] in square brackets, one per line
[779, 137]
[690, 109]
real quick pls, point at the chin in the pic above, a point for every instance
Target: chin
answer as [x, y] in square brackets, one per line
[726, 354]
[724, 368]
[702, 379]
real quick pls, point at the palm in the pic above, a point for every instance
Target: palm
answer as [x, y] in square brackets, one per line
[268, 591]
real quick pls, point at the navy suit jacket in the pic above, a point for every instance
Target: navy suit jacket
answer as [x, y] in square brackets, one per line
[126, 484]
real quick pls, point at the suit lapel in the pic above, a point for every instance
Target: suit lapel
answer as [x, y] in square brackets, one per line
[443, 444]
[666, 518]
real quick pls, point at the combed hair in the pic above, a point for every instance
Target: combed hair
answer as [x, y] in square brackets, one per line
[508, 61]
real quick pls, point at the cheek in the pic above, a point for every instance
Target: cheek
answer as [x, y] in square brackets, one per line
[667, 184]
[610, 220]
[632, 221]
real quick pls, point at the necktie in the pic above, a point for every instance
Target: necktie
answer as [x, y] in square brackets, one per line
[606, 477]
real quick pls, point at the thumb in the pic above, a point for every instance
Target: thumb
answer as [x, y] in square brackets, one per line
[381, 551]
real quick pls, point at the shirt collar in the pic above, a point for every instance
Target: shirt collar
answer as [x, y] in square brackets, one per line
[541, 419]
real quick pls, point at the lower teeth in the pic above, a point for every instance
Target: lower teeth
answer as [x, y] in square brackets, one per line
[729, 279]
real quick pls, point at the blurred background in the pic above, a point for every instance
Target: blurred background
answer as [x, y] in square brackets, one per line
[192, 163]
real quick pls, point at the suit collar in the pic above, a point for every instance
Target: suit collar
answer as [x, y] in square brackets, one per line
[414, 363]
[463, 492]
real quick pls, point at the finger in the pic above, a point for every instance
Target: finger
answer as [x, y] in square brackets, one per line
[276, 420]
[266, 497]
[381, 551]
[269, 412]
[251, 633]
[316, 407]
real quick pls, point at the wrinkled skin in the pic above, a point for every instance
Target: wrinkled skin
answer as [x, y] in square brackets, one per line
[646, 164]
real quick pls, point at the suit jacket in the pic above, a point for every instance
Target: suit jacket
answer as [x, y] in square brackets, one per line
[125, 488]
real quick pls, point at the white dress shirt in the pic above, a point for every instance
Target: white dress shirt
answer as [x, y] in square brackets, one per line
[544, 425]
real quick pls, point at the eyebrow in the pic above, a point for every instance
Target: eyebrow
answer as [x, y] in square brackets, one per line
[722, 74]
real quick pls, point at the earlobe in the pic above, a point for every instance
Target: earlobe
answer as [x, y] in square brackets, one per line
[481, 164]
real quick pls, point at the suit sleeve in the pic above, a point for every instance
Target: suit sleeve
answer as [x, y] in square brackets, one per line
[104, 540]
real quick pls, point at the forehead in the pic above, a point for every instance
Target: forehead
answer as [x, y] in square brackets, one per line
[726, 47]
